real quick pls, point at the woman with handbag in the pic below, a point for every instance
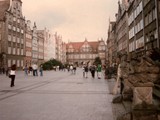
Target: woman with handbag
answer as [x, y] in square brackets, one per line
[12, 74]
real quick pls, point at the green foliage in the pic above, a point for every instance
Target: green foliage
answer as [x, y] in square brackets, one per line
[97, 61]
[50, 64]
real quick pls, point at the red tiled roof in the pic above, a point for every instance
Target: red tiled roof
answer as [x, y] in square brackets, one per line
[78, 45]
[4, 5]
[94, 45]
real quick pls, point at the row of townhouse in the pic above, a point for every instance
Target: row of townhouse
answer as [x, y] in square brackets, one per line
[135, 30]
[20, 43]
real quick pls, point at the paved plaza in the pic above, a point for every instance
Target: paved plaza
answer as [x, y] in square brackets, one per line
[58, 95]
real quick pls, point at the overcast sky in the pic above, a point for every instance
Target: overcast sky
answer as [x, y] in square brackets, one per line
[75, 20]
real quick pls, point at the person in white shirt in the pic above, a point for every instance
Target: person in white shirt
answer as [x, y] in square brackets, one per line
[35, 72]
[12, 75]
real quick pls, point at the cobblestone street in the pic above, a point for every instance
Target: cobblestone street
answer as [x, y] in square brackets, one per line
[57, 95]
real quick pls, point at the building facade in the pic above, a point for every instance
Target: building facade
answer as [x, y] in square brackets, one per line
[141, 21]
[84, 52]
[111, 44]
[28, 44]
[59, 47]
[143, 26]
[63, 60]
[151, 24]
[136, 28]
[12, 27]
[40, 47]
[122, 27]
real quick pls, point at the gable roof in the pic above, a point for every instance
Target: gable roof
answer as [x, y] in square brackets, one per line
[78, 45]
[4, 6]
[94, 45]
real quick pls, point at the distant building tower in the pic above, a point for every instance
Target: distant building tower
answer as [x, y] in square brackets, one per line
[34, 45]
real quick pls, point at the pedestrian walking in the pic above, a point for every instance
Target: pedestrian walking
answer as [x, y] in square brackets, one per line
[92, 70]
[35, 72]
[99, 71]
[41, 70]
[30, 70]
[83, 71]
[12, 75]
[86, 71]
[74, 69]
[25, 70]
[71, 68]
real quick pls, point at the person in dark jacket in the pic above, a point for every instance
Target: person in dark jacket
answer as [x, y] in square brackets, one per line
[86, 71]
[12, 75]
[92, 70]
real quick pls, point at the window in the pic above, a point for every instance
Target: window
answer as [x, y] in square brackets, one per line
[147, 39]
[9, 50]
[136, 30]
[14, 18]
[14, 51]
[21, 31]
[18, 30]
[18, 51]
[154, 14]
[14, 39]
[21, 63]
[18, 40]
[155, 34]
[9, 63]
[146, 20]
[21, 51]
[131, 46]
[28, 44]
[135, 13]
[18, 63]
[14, 28]
[140, 6]
[140, 42]
[14, 62]
[22, 41]
[150, 17]
[9, 37]
[18, 21]
[141, 24]
[137, 9]
[28, 53]
[9, 26]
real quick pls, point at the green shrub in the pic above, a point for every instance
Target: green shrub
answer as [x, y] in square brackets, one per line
[50, 64]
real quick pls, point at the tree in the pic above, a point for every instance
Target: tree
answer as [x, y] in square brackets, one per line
[49, 64]
[97, 61]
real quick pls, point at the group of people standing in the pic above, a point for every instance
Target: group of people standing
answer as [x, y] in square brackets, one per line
[33, 70]
[93, 69]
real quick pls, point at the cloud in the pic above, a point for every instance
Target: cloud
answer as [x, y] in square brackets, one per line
[73, 19]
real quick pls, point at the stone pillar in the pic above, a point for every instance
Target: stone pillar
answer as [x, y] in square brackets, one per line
[142, 106]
